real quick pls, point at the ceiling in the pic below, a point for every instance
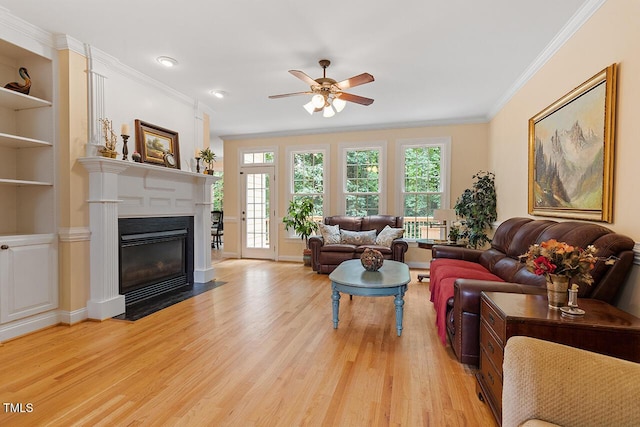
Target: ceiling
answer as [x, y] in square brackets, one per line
[433, 61]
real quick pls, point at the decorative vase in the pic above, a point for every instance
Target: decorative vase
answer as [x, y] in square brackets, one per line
[371, 259]
[557, 287]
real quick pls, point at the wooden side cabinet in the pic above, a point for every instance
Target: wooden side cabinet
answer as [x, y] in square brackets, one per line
[603, 329]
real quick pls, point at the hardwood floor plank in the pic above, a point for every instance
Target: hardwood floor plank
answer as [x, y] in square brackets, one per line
[258, 351]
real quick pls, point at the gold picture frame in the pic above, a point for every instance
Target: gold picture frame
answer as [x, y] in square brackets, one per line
[157, 145]
[571, 152]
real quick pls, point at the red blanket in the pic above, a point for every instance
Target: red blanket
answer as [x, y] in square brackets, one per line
[443, 274]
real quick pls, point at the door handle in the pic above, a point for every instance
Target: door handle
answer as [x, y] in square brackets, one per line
[4, 247]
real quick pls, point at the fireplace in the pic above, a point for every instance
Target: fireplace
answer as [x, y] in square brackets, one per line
[156, 256]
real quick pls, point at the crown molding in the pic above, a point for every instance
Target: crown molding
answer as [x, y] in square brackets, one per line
[66, 42]
[360, 128]
[569, 29]
[21, 33]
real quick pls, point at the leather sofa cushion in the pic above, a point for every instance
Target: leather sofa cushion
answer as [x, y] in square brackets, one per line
[338, 248]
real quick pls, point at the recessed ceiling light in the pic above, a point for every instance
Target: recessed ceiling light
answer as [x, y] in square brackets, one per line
[167, 61]
[218, 93]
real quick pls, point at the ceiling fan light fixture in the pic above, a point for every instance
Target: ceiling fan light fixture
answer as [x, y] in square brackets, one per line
[318, 101]
[310, 107]
[339, 104]
[328, 111]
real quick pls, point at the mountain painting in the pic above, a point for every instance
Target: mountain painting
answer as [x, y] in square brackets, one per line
[570, 154]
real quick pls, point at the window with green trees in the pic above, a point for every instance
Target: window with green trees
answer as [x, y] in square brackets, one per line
[308, 178]
[362, 182]
[424, 187]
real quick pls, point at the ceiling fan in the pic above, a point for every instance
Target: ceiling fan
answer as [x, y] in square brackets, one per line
[328, 95]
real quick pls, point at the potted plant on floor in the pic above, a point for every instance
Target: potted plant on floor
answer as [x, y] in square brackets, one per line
[477, 207]
[299, 218]
[208, 157]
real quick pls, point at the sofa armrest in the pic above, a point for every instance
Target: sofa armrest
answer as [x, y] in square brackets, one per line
[567, 386]
[398, 248]
[467, 292]
[315, 243]
[455, 252]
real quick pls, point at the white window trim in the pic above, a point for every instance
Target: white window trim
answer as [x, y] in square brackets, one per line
[325, 149]
[445, 167]
[382, 171]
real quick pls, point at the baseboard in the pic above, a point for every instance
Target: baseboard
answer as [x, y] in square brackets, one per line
[30, 324]
[73, 317]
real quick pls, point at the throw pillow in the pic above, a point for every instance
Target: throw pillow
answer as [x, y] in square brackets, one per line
[358, 238]
[330, 234]
[388, 235]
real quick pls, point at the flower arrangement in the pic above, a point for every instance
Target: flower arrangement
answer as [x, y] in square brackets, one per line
[562, 259]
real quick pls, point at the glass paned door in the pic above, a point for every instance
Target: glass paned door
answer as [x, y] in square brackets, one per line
[257, 213]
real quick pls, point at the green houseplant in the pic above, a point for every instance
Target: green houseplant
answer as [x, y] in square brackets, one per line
[208, 157]
[299, 218]
[477, 207]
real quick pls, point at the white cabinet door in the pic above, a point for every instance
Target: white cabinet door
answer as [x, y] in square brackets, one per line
[28, 276]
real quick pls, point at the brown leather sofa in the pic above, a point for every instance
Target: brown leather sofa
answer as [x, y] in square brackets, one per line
[325, 258]
[459, 275]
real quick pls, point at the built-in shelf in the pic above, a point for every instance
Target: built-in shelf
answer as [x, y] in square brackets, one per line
[19, 101]
[15, 141]
[23, 183]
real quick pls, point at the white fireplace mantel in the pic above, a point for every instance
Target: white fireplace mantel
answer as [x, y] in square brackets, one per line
[122, 189]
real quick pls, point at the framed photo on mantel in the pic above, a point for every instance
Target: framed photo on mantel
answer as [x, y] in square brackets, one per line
[571, 152]
[157, 145]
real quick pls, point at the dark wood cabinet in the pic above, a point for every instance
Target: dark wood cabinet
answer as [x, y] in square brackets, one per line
[602, 329]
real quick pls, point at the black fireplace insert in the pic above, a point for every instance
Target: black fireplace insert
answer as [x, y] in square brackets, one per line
[156, 256]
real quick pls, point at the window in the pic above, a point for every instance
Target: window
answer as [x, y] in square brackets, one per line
[362, 180]
[258, 157]
[308, 177]
[424, 185]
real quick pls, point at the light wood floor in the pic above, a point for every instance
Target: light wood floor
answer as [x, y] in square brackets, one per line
[258, 351]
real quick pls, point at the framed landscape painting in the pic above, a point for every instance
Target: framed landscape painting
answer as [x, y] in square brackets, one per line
[157, 145]
[571, 145]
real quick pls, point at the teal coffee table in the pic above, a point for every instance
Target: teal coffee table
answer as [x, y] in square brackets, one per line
[351, 278]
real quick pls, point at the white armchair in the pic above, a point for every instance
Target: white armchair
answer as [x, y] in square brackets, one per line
[545, 383]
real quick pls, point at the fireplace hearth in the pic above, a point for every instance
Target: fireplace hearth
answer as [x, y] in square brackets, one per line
[156, 256]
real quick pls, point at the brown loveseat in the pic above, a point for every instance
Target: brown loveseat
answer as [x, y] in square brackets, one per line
[326, 257]
[459, 275]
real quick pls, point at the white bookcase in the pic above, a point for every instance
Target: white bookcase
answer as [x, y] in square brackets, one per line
[28, 242]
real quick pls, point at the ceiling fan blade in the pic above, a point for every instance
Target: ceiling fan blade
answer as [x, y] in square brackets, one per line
[358, 80]
[284, 95]
[355, 98]
[304, 77]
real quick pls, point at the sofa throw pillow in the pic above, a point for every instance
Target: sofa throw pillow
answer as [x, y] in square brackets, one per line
[358, 237]
[388, 235]
[330, 234]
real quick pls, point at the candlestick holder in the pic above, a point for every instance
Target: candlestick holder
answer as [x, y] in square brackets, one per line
[197, 164]
[125, 150]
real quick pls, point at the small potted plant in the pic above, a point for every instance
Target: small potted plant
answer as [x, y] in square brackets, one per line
[208, 157]
[299, 218]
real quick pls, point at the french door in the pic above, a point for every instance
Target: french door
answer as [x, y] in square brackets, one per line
[258, 212]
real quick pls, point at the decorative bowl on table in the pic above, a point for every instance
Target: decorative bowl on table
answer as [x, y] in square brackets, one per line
[371, 259]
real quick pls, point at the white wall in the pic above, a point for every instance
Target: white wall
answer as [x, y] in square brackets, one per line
[128, 95]
[610, 36]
